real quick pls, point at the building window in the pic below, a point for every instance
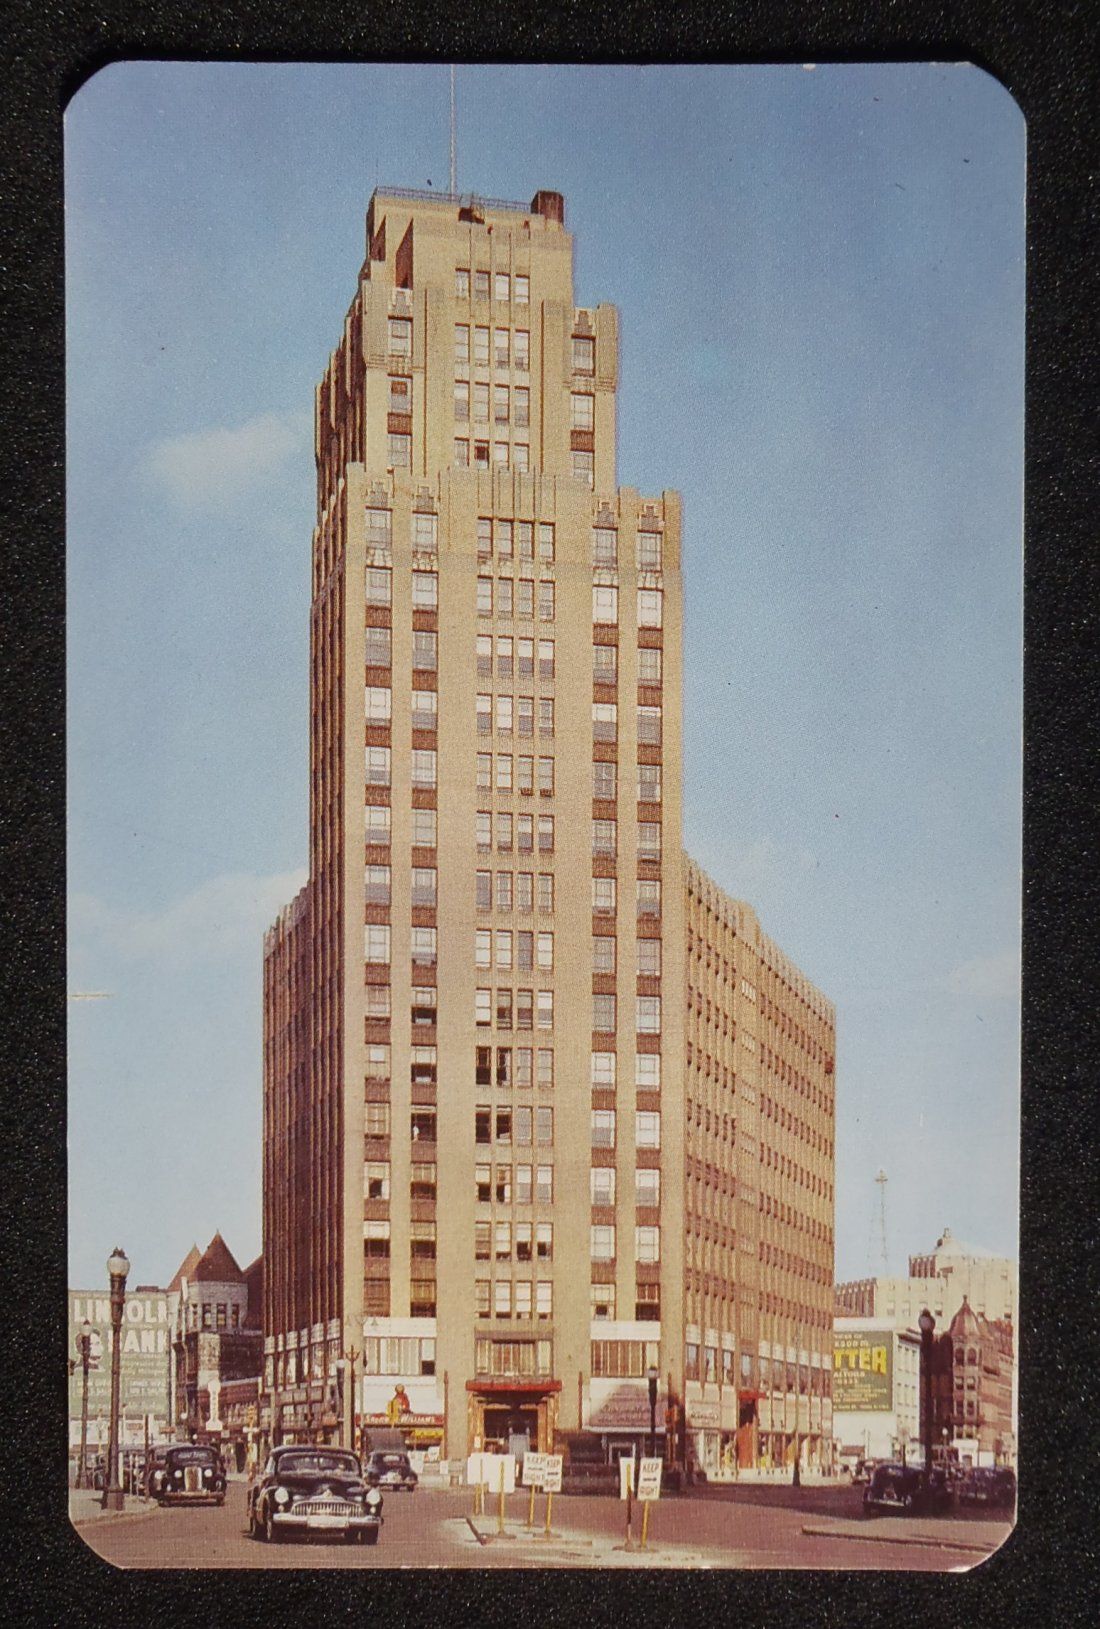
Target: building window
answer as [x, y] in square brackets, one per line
[378, 1063]
[647, 1129]
[424, 947]
[649, 840]
[481, 455]
[521, 409]
[525, 777]
[584, 466]
[376, 1239]
[521, 457]
[500, 453]
[462, 344]
[603, 954]
[504, 772]
[504, 950]
[461, 453]
[423, 828]
[546, 892]
[582, 410]
[400, 333]
[546, 602]
[649, 959]
[649, 726]
[649, 897]
[604, 779]
[602, 1243]
[544, 1187]
[377, 703]
[648, 1015]
[462, 282]
[504, 890]
[377, 942]
[500, 408]
[647, 1186]
[603, 895]
[605, 543]
[649, 551]
[483, 891]
[521, 354]
[605, 605]
[649, 783]
[423, 769]
[603, 1013]
[481, 347]
[584, 355]
[603, 1301]
[502, 347]
[425, 590]
[603, 1128]
[481, 285]
[377, 646]
[603, 1069]
[605, 725]
[400, 451]
[545, 1060]
[376, 1179]
[649, 607]
[546, 952]
[545, 1009]
[378, 583]
[378, 885]
[649, 665]
[522, 289]
[603, 1184]
[376, 1119]
[424, 651]
[424, 707]
[424, 886]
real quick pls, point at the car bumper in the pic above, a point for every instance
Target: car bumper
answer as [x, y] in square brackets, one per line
[325, 1522]
[206, 1497]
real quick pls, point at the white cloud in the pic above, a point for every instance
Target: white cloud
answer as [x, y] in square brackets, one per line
[988, 978]
[222, 917]
[205, 468]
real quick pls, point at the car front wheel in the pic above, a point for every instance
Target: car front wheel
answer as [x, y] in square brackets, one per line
[271, 1532]
[370, 1535]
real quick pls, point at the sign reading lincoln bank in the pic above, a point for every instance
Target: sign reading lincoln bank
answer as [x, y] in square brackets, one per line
[144, 1354]
[862, 1365]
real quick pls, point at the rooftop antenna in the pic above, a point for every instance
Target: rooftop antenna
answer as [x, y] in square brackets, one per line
[882, 1179]
[454, 165]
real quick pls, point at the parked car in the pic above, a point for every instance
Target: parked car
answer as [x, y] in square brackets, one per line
[191, 1474]
[154, 1469]
[907, 1489]
[308, 1489]
[862, 1471]
[988, 1485]
[390, 1469]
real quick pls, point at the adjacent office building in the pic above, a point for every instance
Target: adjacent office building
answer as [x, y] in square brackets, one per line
[543, 1108]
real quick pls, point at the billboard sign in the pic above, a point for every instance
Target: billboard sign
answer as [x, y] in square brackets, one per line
[863, 1379]
[144, 1353]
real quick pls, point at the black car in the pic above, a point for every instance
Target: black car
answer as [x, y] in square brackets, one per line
[188, 1474]
[988, 1485]
[308, 1489]
[907, 1489]
[389, 1469]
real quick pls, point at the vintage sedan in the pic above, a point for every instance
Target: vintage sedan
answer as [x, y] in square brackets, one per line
[310, 1489]
[906, 1490]
[189, 1473]
[988, 1485]
[386, 1468]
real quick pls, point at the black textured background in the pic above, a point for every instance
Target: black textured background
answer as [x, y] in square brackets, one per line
[1043, 53]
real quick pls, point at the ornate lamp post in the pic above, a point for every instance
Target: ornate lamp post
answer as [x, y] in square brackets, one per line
[652, 1376]
[84, 1357]
[927, 1325]
[118, 1268]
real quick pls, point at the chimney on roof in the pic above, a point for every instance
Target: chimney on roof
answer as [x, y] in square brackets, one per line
[550, 205]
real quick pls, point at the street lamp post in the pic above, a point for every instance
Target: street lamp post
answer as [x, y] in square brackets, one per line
[346, 1363]
[652, 1376]
[84, 1353]
[927, 1325]
[118, 1268]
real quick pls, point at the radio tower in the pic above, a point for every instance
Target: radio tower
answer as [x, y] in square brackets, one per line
[881, 1179]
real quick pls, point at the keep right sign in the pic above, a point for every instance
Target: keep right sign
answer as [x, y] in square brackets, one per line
[551, 1473]
[649, 1479]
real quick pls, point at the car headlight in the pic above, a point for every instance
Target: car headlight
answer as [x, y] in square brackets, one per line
[207, 1474]
[177, 1476]
[374, 1498]
[282, 1496]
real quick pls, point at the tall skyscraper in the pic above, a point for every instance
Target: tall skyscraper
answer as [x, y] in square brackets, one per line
[476, 1092]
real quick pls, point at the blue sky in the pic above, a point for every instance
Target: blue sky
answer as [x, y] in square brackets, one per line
[820, 281]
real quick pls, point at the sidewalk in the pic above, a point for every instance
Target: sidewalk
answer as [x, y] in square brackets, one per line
[86, 1505]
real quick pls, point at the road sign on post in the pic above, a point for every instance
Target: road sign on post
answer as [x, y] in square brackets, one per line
[649, 1490]
[551, 1484]
[626, 1491]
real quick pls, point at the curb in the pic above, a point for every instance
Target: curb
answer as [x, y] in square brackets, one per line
[109, 1516]
[899, 1538]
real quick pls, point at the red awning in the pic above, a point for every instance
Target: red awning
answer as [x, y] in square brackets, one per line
[748, 1395]
[508, 1386]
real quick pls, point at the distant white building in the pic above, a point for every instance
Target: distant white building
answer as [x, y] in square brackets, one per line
[876, 1390]
[940, 1280]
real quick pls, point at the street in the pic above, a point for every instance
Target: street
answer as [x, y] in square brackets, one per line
[714, 1527]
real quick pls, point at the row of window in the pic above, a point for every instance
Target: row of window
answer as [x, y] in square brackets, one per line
[378, 699]
[647, 1185]
[422, 767]
[605, 664]
[605, 549]
[514, 775]
[480, 344]
[514, 832]
[605, 896]
[507, 1298]
[506, 287]
[647, 1013]
[647, 1302]
[378, 817]
[376, 1180]
[605, 605]
[647, 1070]
[423, 524]
[515, 597]
[523, 950]
[529, 1010]
[605, 723]
[479, 454]
[522, 1125]
[515, 657]
[515, 715]
[508, 775]
[422, 1064]
[510, 538]
[499, 404]
[602, 1243]
[537, 1064]
[605, 841]
[534, 1184]
[647, 1128]
[378, 890]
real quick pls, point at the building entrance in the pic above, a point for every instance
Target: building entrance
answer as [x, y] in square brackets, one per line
[511, 1417]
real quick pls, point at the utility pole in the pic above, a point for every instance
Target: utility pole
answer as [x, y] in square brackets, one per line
[882, 1179]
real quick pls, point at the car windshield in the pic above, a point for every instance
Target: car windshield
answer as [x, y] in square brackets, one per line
[398, 1461]
[893, 1473]
[194, 1456]
[313, 1463]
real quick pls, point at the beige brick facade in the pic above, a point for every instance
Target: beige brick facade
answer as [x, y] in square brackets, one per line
[475, 1050]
